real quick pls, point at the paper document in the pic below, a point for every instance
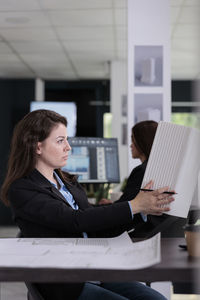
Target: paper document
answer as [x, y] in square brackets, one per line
[103, 253]
[174, 161]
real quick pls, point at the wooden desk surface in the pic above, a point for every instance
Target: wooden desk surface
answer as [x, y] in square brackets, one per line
[176, 266]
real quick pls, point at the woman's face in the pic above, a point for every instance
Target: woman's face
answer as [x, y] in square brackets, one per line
[53, 151]
[134, 151]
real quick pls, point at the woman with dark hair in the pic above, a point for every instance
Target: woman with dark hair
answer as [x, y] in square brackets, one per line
[47, 202]
[143, 134]
[142, 137]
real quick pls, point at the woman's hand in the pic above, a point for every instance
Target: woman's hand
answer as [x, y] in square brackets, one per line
[154, 203]
[104, 201]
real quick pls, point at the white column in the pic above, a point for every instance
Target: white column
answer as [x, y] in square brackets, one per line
[39, 89]
[118, 98]
[149, 94]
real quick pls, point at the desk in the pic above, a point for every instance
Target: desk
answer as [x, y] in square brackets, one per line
[175, 266]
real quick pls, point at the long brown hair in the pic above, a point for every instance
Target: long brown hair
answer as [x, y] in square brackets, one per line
[33, 128]
[143, 134]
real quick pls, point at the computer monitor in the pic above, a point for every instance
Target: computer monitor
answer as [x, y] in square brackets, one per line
[66, 109]
[94, 160]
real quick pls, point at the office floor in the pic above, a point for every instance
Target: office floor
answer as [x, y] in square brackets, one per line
[18, 291]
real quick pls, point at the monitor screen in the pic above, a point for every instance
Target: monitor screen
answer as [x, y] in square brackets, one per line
[94, 160]
[66, 109]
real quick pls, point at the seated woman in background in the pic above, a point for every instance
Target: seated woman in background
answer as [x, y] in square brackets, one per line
[47, 202]
[142, 137]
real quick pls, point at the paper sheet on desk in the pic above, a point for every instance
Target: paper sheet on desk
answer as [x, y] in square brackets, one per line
[103, 253]
[174, 161]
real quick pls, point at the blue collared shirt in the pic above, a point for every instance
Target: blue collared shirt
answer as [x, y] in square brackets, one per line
[144, 217]
[67, 195]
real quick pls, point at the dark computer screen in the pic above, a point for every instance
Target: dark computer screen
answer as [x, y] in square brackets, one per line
[94, 160]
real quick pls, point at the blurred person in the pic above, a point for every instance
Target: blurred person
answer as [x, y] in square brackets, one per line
[142, 137]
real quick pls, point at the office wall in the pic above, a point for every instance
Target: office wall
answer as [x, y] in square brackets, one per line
[15, 98]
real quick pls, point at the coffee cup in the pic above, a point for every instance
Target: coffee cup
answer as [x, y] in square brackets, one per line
[192, 237]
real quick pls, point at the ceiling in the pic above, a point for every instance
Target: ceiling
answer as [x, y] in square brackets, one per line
[76, 39]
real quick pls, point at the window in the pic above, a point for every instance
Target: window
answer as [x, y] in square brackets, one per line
[186, 113]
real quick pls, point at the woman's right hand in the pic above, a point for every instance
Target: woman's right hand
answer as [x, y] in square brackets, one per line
[104, 201]
[154, 203]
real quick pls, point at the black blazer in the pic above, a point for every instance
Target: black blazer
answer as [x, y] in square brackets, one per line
[133, 183]
[166, 224]
[40, 210]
